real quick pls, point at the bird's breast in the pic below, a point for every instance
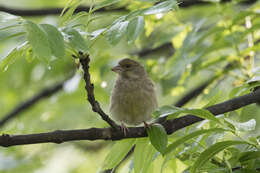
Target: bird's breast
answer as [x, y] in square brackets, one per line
[133, 101]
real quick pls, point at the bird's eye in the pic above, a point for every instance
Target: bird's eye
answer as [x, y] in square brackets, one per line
[127, 65]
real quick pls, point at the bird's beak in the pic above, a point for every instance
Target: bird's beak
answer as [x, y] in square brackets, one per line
[117, 69]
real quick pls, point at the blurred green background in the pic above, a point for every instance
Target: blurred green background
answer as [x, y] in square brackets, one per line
[202, 40]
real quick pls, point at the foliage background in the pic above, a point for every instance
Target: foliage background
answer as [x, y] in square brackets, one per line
[205, 39]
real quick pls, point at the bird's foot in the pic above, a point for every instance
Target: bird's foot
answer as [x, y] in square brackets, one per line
[146, 125]
[124, 128]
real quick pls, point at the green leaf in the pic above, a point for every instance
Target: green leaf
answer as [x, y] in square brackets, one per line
[254, 140]
[143, 155]
[134, 14]
[246, 170]
[116, 32]
[96, 33]
[12, 56]
[167, 158]
[105, 3]
[185, 138]
[245, 126]
[249, 155]
[158, 137]
[9, 21]
[237, 91]
[4, 37]
[177, 64]
[240, 17]
[56, 40]
[38, 40]
[207, 154]
[245, 88]
[229, 125]
[166, 110]
[4, 16]
[10, 26]
[162, 7]
[29, 56]
[215, 99]
[134, 28]
[76, 19]
[173, 112]
[202, 113]
[117, 153]
[76, 41]
[254, 80]
[70, 8]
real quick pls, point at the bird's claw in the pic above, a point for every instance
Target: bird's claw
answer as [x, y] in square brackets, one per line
[146, 125]
[124, 128]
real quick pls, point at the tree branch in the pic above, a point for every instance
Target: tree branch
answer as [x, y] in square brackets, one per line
[53, 11]
[47, 92]
[193, 93]
[167, 47]
[84, 61]
[190, 3]
[57, 11]
[196, 91]
[170, 126]
[217, 109]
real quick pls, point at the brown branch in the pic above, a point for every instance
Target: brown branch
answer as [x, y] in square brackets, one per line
[167, 47]
[53, 11]
[84, 61]
[196, 91]
[57, 11]
[217, 109]
[193, 93]
[171, 126]
[47, 92]
[190, 3]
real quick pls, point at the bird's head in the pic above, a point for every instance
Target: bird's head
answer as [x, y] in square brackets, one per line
[129, 68]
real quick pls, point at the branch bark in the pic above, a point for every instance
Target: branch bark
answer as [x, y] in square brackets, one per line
[53, 11]
[57, 11]
[171, 126]
[84, 61]
[144, 53]
[47, 92]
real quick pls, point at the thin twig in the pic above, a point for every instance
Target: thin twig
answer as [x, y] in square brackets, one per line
[46, 92]
[84, 61]
[125, 158]
[170, 126]
[192, 94]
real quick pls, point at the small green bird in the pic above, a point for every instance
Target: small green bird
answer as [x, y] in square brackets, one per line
[133, 98]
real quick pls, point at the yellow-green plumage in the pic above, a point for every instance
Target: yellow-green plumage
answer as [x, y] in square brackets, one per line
[133, 97]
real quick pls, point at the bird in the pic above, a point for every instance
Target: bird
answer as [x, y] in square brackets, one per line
[133, 98]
